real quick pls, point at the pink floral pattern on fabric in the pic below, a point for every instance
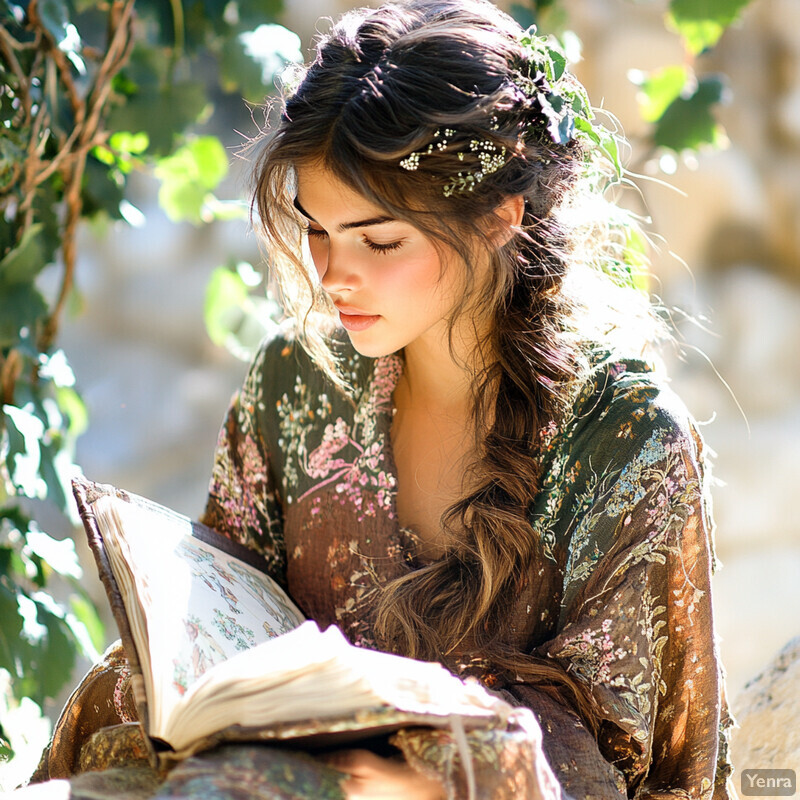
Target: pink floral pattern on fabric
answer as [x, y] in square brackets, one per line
[352, 455]
[121, 698]
[243, 502]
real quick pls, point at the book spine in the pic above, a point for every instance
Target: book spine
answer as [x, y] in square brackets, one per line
[86, 493]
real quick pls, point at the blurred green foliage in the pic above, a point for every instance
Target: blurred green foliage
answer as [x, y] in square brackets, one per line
[238, 311]
[701, 22]
[91, 91]
[677, 102]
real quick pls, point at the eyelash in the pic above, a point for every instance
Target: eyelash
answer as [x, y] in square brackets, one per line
[373, 246]
[381, 248]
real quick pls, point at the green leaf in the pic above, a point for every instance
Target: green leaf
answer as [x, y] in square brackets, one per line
[47, 212]
[183, 201]
[161, 113]
[559, 60]
[234, 318]
[123, 147]
[18, 562]
[6, 751]
[74, 410]
[8, 236]
[659, 89]
[15, 517]
[86, 614]
[587, 129]
[10, 631]
[188, 176]
[7, 566]
[104, 155]
[701, 22]
[54, 652]
[130, 143]
[636, 260]
[688, 122]
[102, 189]
[226, 210]
[21, 307]
[56, 471]
[22, 264]
[226, 295]
[698, 35]
[38, 419]
[211, 160]
[25, 432]
[609, 145]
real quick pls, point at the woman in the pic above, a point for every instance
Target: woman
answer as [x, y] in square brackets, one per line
[478, 465]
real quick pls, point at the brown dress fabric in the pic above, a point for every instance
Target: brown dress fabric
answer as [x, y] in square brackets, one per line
[90, 708]
[621, 601]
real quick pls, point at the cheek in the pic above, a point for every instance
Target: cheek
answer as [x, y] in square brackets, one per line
[437, 286]
[420, 275]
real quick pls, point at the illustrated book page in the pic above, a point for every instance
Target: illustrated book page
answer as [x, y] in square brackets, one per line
[190, 605]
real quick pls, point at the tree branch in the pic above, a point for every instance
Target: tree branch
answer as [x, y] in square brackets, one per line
[83, 138]
[10, 369]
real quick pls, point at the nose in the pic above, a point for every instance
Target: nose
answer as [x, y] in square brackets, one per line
[337, 272]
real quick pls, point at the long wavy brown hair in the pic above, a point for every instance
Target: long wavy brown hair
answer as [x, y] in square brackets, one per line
[382, 84]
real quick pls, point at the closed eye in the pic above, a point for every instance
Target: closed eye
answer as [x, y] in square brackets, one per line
[375, 247]
[381, 248]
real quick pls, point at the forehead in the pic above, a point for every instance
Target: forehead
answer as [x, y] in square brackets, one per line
[321, 194]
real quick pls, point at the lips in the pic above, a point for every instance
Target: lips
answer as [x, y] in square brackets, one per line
[351, 311]
[354, 319]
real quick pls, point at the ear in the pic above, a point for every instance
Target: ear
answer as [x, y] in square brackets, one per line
[507, 216]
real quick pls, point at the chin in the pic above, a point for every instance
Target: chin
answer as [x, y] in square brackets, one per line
[364, 347]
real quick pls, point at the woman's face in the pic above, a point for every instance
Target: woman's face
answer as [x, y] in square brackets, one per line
[384, 276]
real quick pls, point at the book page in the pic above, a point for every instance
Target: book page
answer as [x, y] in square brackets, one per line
[196, 605]
[312, 674]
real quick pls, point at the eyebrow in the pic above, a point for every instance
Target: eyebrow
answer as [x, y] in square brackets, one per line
[346, 226]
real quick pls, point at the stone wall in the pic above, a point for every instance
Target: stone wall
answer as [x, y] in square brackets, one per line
[157, 388]
[769, 737]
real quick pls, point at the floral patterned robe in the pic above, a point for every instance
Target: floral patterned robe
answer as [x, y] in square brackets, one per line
[621, 600]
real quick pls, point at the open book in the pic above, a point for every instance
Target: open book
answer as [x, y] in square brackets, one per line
[218, 651]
